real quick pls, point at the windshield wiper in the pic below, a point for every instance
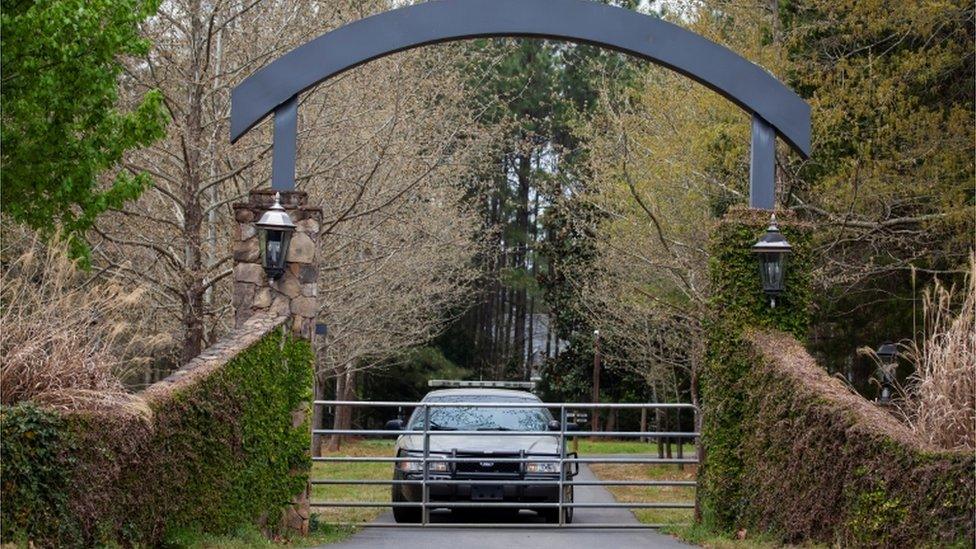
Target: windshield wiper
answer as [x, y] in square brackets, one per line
[438, 427]
[493, 429]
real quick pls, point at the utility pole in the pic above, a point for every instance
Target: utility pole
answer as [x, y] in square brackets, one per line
[596, 379]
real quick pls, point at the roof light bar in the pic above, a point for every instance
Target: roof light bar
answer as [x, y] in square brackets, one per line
[524, 385]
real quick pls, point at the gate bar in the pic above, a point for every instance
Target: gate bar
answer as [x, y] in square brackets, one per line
[568, 405]
[489, 482]
[561, 505]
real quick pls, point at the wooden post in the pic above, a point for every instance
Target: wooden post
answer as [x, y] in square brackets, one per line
[643, 424]
[596, 379]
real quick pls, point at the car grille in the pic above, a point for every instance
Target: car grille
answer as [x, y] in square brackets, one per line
[487, 465]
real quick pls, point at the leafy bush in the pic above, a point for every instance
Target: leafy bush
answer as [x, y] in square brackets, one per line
[35, 470]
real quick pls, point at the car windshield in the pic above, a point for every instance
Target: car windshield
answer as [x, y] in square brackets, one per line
[467, 418]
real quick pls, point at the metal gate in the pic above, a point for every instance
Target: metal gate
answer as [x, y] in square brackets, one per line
[567, 461]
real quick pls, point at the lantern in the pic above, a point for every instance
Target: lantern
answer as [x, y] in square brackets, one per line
[274, 232]
[772, 249]
[887, 353]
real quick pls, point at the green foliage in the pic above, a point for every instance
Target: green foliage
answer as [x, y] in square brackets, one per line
[35, 470]
[891, 88]
[405, 377]
[736, 304]
[237, 424]
[62, 126]
[534, 92]
[216, 456]
[872, 512]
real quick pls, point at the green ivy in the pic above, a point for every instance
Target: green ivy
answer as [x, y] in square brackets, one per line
[217, 455]
[35, 471]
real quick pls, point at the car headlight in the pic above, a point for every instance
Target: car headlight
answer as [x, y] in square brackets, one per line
[408, 466]
[542, 467]
[438, 466]
[434, 464]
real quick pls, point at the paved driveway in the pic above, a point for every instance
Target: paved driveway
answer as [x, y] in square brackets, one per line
[524, 537]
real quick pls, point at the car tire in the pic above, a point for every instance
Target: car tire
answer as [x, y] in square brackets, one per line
[551, 515]
[403, 515]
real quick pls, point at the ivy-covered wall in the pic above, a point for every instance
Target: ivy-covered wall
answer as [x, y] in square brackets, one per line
[787, 450]
[216, 446]
[822, 464]
[737, 303]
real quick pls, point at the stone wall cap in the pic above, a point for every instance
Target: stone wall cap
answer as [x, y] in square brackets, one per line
[213, 357]
[785, 355]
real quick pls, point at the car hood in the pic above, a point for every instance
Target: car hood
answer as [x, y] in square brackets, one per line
[505, 444]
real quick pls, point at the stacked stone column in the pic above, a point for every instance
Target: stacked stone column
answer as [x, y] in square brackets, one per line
[295, 293]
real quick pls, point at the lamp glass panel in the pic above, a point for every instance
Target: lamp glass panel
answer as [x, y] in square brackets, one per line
[772, 272]
[274, 249]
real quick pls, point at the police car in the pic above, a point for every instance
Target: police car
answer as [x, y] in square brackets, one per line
[492, 460]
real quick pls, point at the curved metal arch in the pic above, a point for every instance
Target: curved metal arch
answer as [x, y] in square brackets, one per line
[774, 106]
[584, 21]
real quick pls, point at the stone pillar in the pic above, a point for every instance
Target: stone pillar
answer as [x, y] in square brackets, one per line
[736, 305]
[295, 294]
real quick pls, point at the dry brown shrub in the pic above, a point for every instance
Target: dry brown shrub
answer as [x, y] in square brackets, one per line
[940, 402]
[61, 329]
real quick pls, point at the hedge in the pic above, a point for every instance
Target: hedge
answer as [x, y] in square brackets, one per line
[787, 450]
[211, 453]
[820, 463]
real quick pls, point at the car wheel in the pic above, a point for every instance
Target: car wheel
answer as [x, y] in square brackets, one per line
[552, 515]
[403, 514]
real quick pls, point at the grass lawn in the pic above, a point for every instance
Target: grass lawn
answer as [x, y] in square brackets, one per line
[353, 492]
[251, 537]
[604, 446]
[703, 536]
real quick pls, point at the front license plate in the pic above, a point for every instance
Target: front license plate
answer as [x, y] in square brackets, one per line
[487, 493]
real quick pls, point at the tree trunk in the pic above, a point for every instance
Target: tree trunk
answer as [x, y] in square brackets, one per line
[193, 302]
[342, 418]
[596, 381]
[658, 422]
[643, 424]
[611, 420]
[520, 263]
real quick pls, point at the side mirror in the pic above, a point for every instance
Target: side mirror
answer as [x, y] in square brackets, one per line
[394, 425]
[554, 426]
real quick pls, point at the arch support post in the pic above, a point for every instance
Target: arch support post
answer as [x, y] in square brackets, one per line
[285, 145]
[294, 295]
[762, 165]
